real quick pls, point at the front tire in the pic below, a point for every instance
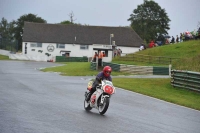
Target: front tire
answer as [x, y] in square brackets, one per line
[104, 107]
[87, 105]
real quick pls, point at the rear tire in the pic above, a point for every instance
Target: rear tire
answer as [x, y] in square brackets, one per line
[104, 107]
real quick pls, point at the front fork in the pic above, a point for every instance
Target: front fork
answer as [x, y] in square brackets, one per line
[102, 98]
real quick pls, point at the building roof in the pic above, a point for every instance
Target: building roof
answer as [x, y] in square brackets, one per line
[77, 34]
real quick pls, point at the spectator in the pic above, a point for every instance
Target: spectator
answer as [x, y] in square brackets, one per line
[172, 41]
[100, 56]
[115, 52]
[95, 57]
[183, 36]
[104, 55]
[194, 33]
[177, 39]
[180, 37]
[187, 35]
[119, 52]
[167, 41]
[141, 47]
[151, 44]
[198, 34]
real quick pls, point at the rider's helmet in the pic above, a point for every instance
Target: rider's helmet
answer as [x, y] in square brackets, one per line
[107, 71]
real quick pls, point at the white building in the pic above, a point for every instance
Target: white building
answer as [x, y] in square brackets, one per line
[41, 39]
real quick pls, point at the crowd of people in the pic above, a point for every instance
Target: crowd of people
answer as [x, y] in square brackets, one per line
[179, 38]
[117, 52]
[185, 36]
[101, 54]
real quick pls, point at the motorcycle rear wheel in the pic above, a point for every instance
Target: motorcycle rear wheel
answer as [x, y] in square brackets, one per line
[104, 107]
[87, 105]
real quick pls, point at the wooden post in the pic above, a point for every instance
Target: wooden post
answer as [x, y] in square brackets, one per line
[97, 63]
[170, 68]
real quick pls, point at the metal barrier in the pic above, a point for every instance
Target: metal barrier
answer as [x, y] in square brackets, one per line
[135, 70]
[114, 66]
[93, 65]
[71, 59]
[185, 79]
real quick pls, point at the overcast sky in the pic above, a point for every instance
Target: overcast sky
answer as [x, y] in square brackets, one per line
[184, 14]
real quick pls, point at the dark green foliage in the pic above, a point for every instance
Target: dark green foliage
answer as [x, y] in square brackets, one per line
[149, 20]
[66, 22]
[18, 31]
[7, 29]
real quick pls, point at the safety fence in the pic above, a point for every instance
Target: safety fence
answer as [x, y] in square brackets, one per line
[6, 44]
[93, 66]
[135, 70]
[148, 59]
[4, 52]
[71, 59]
[185, 79]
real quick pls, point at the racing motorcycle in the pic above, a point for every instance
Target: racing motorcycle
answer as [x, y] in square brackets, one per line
[100, 99]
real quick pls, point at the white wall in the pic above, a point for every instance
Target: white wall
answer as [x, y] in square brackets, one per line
[74, 48]
[4, 52]
[128, 50]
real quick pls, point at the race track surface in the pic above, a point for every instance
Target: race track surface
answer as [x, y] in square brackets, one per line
[32, 101]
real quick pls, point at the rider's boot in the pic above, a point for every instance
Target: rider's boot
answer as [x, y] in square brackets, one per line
[88, 96]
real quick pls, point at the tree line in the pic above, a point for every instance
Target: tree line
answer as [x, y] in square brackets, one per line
[148, 20]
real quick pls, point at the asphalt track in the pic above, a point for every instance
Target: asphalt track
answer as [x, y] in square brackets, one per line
[32, 101]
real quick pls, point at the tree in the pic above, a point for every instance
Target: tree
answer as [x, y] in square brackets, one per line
[18, 31]
[7, 40]
[7, 29]
[149, 20]
[66, 22]
[71, 15]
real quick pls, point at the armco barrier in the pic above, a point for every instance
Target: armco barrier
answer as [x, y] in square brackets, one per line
[115, 67]
[185, 79]
[93, 65]
[136, 70]
[161, 71]
[139, 70]
[71, 59]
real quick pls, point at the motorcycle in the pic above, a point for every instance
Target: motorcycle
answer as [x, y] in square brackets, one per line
[100, 99]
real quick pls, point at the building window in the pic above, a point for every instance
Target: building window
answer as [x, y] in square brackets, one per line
[60, 46]
[84, 46]
[36, 44]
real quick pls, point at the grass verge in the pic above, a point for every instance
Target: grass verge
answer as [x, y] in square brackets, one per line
[161, 89]
[3, 57]
[157, 88]
[77, 69]
[188, 52]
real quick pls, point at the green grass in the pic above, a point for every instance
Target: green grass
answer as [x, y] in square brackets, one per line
[178, 50]
[161, 89]
[188, 51]
[77, 69]
[3, 57]
[158, 88]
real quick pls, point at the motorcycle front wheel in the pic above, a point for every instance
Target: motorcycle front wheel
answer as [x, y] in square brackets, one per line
[87, 105]
[103, 108]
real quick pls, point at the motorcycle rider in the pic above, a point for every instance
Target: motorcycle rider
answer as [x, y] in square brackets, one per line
[105, 74]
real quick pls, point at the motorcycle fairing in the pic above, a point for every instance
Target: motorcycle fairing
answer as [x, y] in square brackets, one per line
[97, 95]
